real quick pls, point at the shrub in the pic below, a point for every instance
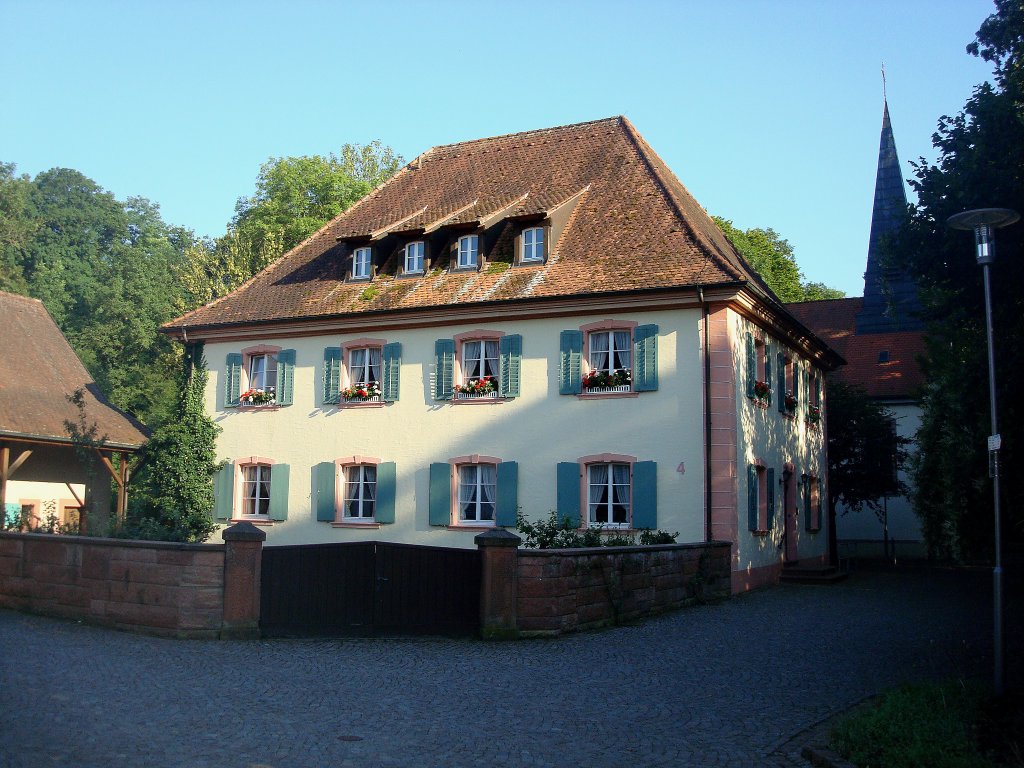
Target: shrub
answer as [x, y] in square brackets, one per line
[558, 532]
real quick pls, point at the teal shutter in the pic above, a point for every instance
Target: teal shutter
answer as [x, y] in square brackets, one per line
[232, 379]
[444, 369]
[508, 494]
[332, 375]
[751, 364]
[440, 497]
[511, 357]
[645, 495]
[391, 357]
[386, 489]
[285, 376]
[752, 497]
[817, 391]
[223, 492]
[796, 381]
[569, 492]
[771, 498]
[781, 379]
[279, 491]
[645, 358]
[570, 363]
[326, 491]
[808, 522]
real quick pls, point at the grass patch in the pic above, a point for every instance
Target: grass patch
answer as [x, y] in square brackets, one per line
[370, 294]
[497, 267]
[925, 725]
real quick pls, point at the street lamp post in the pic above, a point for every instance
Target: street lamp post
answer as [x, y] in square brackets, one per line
[984, 222]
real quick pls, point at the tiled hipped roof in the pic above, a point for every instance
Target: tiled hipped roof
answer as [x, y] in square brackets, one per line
[40, 371]
[896, 377]
[632, 226]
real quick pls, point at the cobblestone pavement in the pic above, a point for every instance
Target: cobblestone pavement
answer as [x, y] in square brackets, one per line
[729, 684]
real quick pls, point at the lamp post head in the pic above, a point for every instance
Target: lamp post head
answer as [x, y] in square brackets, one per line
[984, 222]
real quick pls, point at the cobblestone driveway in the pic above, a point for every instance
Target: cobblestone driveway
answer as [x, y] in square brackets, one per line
[719, 685]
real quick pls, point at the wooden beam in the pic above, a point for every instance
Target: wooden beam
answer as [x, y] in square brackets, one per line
[79, 499]
[5, 457]
[122, 489]
[18, 462]
[110, 468]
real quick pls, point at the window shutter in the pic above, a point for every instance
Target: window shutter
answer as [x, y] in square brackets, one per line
[797, 373]
[444, 369]
[326, 491]
[569, 492]
[508, 494]
[511, 351]
[808, 522]
[332, 375]
[440, 503]
[285, 376]
[752, 497]
[570, 363]
[780, 377]
[645, 358]
[232, 379]
[386, 489]
[770, 484]
[392, 364]
[645, 495]
[223, 492]
[751, 364]
[817, 390]
[279, 491]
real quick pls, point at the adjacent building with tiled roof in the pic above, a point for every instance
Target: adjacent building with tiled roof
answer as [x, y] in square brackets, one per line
[40, 374]
[537, 321]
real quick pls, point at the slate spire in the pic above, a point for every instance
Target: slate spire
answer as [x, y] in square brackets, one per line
[890, 296]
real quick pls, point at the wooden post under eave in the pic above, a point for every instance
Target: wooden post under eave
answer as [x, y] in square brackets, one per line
[5, 458]
[122, 489]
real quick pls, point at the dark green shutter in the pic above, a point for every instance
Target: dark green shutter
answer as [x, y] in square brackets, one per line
[386, 489]
[392, 364]
[805, 486]
[332, 375]
[285, 376]
[817, 391]
[751, 364]
[279, 492]
[569, 492]
[508, 494]
[223, 492]
[570, 363]
[752, 520]
[781, 379]
[326, 491]
[511, 357]
[645, 358]
[645, 495]
[796, 381]
[770, 498]
[232, 379]
[444, 369]
[440, 496]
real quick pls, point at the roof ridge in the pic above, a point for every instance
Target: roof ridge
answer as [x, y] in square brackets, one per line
[532, 132]
[22, 297]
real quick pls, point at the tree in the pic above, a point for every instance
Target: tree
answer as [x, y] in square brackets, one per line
[772, 258]
[865, 454]
[980, 165]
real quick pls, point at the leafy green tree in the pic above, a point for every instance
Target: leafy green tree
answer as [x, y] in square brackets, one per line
[173, 492]
[980, 165]
[16, 228]
[772, 258]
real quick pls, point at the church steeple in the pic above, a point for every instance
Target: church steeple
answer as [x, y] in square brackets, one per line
[890, 296]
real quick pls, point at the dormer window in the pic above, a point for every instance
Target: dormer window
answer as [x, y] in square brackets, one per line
[414, 258]
[361, 261]
[469, 251]
[532, 245]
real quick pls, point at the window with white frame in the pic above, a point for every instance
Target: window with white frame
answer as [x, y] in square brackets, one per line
[479, 359]
[477, 493]
[361, 261]
[256, 490]
[414, 258]
[469, 251]
[532, 245]
[608, 495]
[262, 380]
[360, 496]
[610, 360]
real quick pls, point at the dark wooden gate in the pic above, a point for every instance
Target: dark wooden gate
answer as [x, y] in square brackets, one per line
[369, 588]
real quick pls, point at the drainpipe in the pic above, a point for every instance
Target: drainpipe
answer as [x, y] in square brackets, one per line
[707, 415]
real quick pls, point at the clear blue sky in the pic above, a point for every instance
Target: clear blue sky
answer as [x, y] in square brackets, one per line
[768, 111]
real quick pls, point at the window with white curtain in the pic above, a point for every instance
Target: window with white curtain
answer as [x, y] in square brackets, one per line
[477, 493]
[610, 351]
[360, 491]
[608, 494]
[469, 248]
[256, 489]
[263, 372]
[361, 263]
[364, 366]
[479, 359]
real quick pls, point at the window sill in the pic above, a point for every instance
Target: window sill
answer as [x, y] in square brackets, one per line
[759, 403]
[362, 403]
[788, 415]
[409, 275]
[360, 279]
[261, 521]
[533, 263]
[481, 400]
[248, 407]
[604, 394]
[471, 527]
[370, 524]
[762, 534]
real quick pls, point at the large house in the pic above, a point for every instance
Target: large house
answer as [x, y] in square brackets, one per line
[532, 322]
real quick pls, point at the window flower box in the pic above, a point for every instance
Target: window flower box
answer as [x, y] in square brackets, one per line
[485, 386]
[620, 380]
[790, 402]
[362, 393]
[604, 390]
[258, 397]
[475, 395]
[762, 391]
[813, 415]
